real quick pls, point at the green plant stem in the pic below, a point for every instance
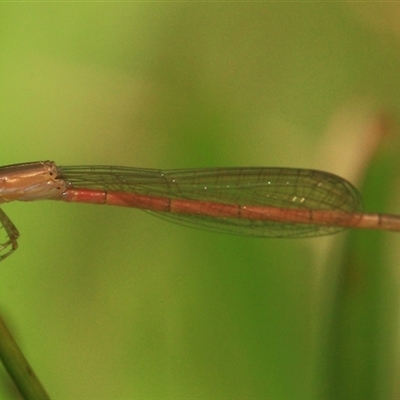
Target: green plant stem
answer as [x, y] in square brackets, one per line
[18, 367]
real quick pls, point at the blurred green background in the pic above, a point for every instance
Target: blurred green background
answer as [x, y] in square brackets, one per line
[112, 303]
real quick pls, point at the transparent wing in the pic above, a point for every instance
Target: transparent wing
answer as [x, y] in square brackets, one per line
[285, 188]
